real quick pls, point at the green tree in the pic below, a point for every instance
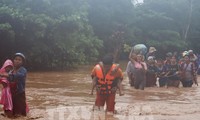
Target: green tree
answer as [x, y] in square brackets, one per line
[53, 34]
[110, 20]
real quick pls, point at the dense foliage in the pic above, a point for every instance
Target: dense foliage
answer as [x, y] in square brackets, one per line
[60, 34]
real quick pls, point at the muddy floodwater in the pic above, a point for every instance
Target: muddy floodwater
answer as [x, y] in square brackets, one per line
[64, 96]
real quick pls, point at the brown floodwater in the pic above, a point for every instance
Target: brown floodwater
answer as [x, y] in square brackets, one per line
[64, 96]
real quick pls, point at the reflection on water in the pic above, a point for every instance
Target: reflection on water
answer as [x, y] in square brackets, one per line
[51, 95]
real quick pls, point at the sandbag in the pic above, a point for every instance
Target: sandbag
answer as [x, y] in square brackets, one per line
[140, 49]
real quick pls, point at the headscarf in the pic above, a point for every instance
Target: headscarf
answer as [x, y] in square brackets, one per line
[8, 62]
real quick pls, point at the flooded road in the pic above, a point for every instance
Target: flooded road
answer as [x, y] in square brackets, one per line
[64, 96]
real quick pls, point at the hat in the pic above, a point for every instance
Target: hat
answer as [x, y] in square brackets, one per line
[150, 58]
[185, 53]
[190, 51]
[152, 49]
[20, 55]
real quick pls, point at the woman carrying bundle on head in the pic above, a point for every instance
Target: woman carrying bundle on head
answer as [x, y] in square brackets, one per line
[136, 68]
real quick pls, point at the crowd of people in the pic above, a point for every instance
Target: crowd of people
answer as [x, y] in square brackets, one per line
[170, 71]
[173, 70]
[13, 78]
[143, 71]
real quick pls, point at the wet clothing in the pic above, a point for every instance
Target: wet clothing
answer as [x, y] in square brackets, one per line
[188, 74]
[163, 79]
[18, 80]
[151, 76]
[6, 97]
[108, 99]
[173, 79]
[187, 83]
[166, 65]
[130, 69]
[19, 104]
[140, 79]
[194, 60]
[160, 74]
[106, 86]
[137, 75]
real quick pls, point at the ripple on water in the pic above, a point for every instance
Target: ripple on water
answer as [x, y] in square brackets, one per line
[71, 89]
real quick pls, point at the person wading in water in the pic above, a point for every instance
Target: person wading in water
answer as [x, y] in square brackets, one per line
[106, 84]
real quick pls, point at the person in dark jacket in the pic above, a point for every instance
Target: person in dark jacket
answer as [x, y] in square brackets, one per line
[17, 79]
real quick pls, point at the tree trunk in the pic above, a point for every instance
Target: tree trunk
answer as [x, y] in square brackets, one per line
[117, 52]
[189, 20]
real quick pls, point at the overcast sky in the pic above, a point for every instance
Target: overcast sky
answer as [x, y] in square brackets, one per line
[140, 0]
[137, 1]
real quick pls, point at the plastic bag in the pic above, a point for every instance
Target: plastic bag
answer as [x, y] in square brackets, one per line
[140, 49]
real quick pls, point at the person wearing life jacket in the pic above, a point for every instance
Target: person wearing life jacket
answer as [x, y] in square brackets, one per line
[106, 83]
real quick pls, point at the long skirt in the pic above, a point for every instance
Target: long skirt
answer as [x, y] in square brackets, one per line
[140, 79]
[19, 104]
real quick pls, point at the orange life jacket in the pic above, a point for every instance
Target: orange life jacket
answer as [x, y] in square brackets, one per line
[105, 83]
